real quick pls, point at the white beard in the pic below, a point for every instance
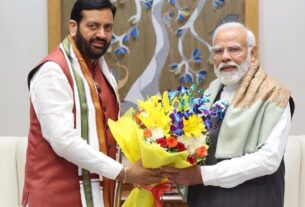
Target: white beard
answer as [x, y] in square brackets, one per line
[235, 76]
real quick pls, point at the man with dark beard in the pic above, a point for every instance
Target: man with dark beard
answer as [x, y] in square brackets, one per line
[244, 166]
[71, 152]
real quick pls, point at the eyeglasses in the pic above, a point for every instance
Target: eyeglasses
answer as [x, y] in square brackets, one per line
[233, 51]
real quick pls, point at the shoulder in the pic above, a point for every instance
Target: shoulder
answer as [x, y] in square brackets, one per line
[47, 71]
[48, 68]
[272, 89]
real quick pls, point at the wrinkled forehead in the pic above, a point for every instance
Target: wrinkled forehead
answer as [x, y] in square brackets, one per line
[232, 36]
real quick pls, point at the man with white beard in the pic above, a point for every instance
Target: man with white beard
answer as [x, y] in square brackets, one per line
[244, 166]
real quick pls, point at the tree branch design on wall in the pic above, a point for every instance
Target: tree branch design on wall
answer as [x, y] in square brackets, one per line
[161, 44]
[163, 22]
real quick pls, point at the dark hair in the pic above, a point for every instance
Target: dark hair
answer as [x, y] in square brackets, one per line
[80, 5]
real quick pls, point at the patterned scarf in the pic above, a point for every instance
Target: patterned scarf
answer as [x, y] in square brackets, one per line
[255, 109]
[89, 120]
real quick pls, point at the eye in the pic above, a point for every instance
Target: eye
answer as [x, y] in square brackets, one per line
[92, 26]
[234, 50]
[108, 27]
[218, 51]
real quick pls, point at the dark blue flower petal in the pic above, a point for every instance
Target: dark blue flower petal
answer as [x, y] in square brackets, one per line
[196, 53]
[148, 4]
[120, 51]
[125, 38]
[197, 59]
[179, 32]
[188, 78]
[202, 74]
[218, 3]
[181, 18]
[174, 66]
[172, 2]
[182, 89]
[134, 33]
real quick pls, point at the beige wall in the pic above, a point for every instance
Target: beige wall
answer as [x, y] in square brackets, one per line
[282, 43]
[23, 42]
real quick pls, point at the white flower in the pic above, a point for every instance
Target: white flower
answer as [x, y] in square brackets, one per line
[157, 133]
[192, 143]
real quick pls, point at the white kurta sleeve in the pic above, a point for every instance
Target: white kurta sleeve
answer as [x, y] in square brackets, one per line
[232, 172]
[52, 99]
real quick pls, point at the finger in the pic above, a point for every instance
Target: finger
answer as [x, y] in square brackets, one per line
[169, 174]
[169, 169]
[173, 179]
[154, 179]
[155, 171]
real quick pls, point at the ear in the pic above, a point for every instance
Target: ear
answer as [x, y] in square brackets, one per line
[254, 53]
[72, 27]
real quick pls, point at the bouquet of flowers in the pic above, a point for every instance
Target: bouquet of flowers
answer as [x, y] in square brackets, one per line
[168, 130]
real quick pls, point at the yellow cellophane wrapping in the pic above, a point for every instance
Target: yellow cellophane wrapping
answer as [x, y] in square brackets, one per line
[130, 139]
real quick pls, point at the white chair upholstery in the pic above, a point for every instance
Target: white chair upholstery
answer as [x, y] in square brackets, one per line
[12, 163]
[295, 172]
[302, 180]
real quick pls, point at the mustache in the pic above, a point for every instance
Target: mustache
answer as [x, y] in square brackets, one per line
[228, 64]
[102, 40]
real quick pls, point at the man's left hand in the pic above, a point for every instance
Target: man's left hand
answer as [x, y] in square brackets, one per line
[185, 176]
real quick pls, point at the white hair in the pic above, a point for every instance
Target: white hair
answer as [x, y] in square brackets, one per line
[250, 36]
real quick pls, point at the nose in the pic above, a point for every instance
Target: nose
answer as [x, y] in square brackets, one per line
[226, 56]
[101, 33]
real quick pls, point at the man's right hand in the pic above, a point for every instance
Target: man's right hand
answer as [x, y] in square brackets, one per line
[138, 175]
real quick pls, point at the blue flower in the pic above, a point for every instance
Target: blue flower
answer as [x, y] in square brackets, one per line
[176, 123]
[182, 89]
[172, 95]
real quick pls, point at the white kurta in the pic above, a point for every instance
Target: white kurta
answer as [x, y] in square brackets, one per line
[52, 99]
[232, 172]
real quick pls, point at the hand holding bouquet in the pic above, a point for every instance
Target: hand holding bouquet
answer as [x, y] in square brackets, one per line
[168, 130]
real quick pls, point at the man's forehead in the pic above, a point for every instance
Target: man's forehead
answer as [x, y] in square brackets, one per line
[233, 36]
[105, 14]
